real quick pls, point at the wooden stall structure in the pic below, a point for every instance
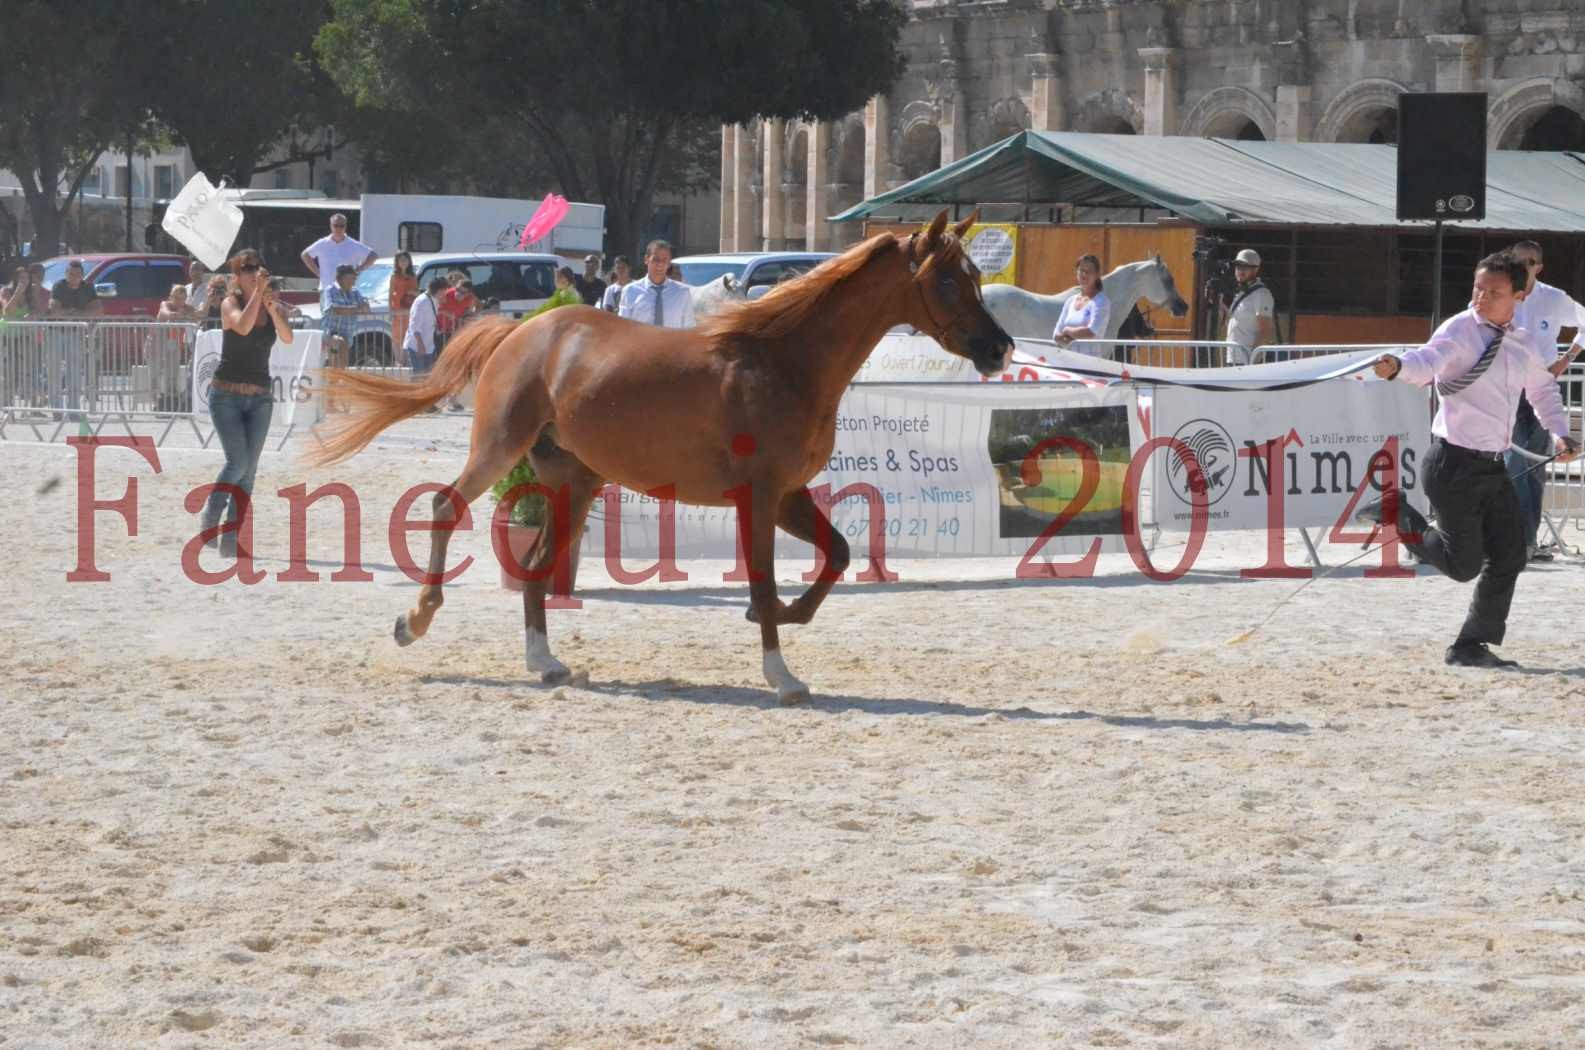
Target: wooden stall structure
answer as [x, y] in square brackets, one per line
[1321, 215]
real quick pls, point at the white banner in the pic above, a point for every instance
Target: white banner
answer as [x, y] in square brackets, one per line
[203, 221]
[939, 470]
[1329, 436]
[292, 365]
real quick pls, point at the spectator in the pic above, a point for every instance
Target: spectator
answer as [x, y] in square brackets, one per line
[36, 280]
[328, 254]
[657, 299]
[197, 283]
[621, 274]
[344, 304]
[1252, 315]
[455, 305]
[241, 398]
[403, 292]
[419, 342]
[1086, 312]
[72, 298]
[165, 348]
[589, 286]
[214, 296]
[1544, 312]
[22, 298]
[566, 293]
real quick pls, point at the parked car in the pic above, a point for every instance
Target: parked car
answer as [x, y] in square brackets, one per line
[129, 285]
[521, 281]
[748, 270]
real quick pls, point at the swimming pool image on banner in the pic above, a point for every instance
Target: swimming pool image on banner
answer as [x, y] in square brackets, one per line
[1027, 509]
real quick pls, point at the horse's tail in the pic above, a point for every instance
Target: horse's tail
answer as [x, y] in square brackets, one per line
[377, 402]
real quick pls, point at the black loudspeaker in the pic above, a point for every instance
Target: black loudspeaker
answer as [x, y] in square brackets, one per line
[1442, 155]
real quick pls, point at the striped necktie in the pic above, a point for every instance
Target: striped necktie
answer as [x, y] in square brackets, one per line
[1465, 381]
[660, 309]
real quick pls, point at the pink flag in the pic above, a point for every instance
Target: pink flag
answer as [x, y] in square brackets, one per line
[550, 212]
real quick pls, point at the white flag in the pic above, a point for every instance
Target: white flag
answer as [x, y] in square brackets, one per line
[203, 221]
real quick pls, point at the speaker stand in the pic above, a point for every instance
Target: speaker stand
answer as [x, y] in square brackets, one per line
[1436, 279]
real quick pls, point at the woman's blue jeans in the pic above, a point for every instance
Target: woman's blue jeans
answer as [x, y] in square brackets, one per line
[242, 422]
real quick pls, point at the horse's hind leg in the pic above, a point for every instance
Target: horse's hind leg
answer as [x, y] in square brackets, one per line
[801, 518]
[562, 472]
[488, 460]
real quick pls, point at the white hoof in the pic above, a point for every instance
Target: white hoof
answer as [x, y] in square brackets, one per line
[536, 655]
[789, 690]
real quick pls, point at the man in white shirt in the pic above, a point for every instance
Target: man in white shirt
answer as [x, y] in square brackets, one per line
[1480, 363]
[654, 299]
[1251, 317]
[1545, 312]
[326, 254]
[420, 339]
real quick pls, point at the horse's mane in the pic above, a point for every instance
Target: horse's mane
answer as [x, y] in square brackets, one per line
[787, 306]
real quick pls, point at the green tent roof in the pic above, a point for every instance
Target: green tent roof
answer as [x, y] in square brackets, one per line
[1223, 182]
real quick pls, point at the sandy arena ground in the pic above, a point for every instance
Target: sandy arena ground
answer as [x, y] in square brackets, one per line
[1015, 815]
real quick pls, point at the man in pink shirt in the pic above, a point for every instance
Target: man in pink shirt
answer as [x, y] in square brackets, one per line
[1481, 364]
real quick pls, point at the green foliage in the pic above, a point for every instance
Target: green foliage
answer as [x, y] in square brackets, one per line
[616, 99]
[529, 509]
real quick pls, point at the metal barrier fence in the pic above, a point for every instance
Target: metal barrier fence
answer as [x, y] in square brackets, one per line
[1159, 353]
[81, 369]
[1290, 352]
[1565, 491]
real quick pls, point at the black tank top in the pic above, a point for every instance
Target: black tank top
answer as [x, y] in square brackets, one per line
[246, 358]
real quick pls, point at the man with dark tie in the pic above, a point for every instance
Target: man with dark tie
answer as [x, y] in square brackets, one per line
[655, 299]
[1480, 364]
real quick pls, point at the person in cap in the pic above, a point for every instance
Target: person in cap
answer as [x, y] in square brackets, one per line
[1251, 316]
[590, 288]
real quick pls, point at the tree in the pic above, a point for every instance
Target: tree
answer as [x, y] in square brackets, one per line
[58, 111]
[611, 97]
[233, 80]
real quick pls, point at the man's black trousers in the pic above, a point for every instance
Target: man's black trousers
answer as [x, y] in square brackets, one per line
[1479, 531]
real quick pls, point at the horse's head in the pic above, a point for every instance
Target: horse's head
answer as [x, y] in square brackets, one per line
[1162, 291]
[945, 299]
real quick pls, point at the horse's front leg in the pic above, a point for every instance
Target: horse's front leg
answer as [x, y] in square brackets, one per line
[757, 530]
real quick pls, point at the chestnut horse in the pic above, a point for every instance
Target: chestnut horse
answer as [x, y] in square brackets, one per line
[738, 411]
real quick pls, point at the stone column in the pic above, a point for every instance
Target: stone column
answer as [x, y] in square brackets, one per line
[774, 223]
[728, 185]
[1457, 61]
[877, 146]
[1045, 103]
[954, 124]
[745, 235]
[817, 232]
[1293, 112]
[795, 206]
[1161, 89]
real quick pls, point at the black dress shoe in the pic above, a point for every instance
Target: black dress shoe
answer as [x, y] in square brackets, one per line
[1475, 654]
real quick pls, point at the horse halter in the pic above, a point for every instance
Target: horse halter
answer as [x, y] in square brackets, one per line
[940, 333]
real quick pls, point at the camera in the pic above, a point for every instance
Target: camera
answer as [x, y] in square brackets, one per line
[1211, 253]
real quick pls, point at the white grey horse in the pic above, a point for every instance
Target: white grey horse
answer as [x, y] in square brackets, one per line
[1034, 316]
[711, 296]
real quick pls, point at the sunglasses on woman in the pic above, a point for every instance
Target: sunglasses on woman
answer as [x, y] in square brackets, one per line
[248, 268]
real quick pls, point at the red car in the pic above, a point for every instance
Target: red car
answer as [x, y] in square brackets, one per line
[129, 285]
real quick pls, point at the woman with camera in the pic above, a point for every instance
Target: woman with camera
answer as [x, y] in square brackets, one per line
[241, 399]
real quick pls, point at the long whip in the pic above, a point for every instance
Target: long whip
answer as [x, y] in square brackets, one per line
[1540, 461]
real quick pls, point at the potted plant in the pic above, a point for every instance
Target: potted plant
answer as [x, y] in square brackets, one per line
[524, 524]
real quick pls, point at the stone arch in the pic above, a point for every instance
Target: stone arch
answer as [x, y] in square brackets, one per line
[1225, 111]
[1008, 116]
[1363, 112]
[1516, 110]
[918, 140]
[1109, 112]
[795, 153]
[849, 147]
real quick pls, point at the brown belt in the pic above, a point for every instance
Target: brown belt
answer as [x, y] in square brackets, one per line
[245, 389]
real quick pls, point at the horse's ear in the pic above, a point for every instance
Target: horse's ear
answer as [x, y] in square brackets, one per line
[963, 227]
[934, 231]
